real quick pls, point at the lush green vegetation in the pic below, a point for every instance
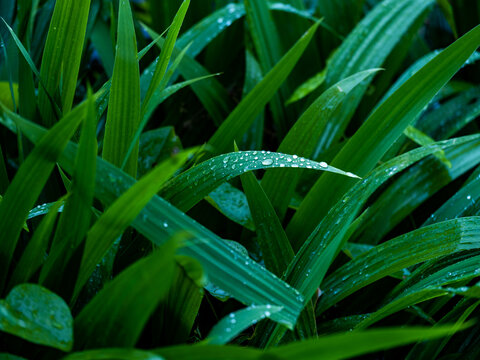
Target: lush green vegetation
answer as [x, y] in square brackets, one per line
[239, 179]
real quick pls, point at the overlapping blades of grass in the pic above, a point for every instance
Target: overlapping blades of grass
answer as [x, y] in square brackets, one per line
[62, 56]
[75, 219]
[426, 243]
[105, 321]
[412, 188]
[379, 132]
[268, 46]
[245, 280]
[164, 59]
[303, 137]
[33, 255]
[246, 112]
[25, 188]
[320, 249]
[366, 47]
[121, 213]
[427, 282]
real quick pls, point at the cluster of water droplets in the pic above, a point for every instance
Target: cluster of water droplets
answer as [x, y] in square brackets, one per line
[252, 160]
[231, 13]
[42, 210]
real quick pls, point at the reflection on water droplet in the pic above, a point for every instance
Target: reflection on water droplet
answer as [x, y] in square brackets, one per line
[267, 162]
[323, 164]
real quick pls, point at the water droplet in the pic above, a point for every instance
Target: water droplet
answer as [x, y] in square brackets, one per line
[165, 224]
[220, 20]
[323, 164]
[267, 162]
[267, 313]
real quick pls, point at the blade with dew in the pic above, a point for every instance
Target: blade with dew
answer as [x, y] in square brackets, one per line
[188, 188]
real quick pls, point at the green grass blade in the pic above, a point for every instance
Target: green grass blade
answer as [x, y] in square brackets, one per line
[105, 321]
[412, 248]
[175, 316]
[121, 213]
[167, 50]
[380, 131]
[159, 95]
[463, 203]
[302, 139]
[246, 112]
[33, 255]
[430, 349]
[210, 92]
[25, 188]
[276, 249]
[232, 203]
[188, 188]
[427, 284]
[420, 183]
[350, 344]
[123, 114]
[268, 47]
[75, 219]
[53, 105]
[37, 315]
[234, 323]
[62, 56]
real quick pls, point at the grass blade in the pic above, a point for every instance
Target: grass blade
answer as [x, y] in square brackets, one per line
[124, 112]
[62, 56]
[187, 189]
[121, 213]
[76, 216]
[105, 321]
[426, 243]
[25, 188]
[233, 324]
